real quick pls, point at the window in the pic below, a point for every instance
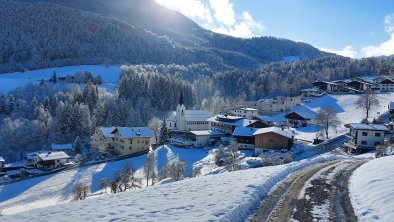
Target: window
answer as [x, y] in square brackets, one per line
[364, 142]
[377, 134]
[364, 133]
[377, 143]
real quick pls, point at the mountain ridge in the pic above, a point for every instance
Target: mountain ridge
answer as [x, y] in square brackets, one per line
[131, 34]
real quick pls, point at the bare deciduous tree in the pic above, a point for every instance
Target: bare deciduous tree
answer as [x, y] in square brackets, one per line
[327, 118]
[80, 191]
[367, 101]
[150, 167]
[105, 183]
[125, 179]
[174, 169]
[155, 124]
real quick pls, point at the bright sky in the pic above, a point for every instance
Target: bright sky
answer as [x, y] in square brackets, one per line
[353, 28]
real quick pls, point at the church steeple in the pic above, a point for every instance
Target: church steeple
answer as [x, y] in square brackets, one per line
[181, 102]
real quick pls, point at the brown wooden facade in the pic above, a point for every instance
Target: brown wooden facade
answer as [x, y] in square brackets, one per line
[273, 141]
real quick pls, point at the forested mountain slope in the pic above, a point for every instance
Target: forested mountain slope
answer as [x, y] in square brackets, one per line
[43, 33]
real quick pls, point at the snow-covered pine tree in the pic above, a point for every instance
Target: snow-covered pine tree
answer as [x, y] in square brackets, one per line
[77, 145]
[164, 134]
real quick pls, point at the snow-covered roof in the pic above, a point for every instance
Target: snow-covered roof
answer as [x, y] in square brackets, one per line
[308, 90]
[197, 115]
[201, 132]
[391, 105]
[134, 132]
[107, 132]
[276, 130]
[305, 112]
[53, 155]
[371, 78]
[2, 159]
[62, 147]
[266, 119]
[247, 109]
[326, 82]
[244, 131]
[31, 155]
[237, 121]
[362, 126]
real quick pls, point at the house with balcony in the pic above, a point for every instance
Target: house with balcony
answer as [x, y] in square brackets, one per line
[244, 137]
[227, 124]
[300, 117]
[364, 137]
[46, 160]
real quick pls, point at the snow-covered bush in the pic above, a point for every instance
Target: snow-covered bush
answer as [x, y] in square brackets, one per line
[273, 158]
[174, 169]
[229, 157]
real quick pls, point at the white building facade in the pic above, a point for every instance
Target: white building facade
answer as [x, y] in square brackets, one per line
[247, 113]
[365, 136]
[184, 120]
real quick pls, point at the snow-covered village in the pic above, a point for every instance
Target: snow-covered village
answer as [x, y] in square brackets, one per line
[167, 110]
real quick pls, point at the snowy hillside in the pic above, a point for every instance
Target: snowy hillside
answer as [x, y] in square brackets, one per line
[11, 81]
[223, 197]
[346, 110]
[57, 188]
[372, 190]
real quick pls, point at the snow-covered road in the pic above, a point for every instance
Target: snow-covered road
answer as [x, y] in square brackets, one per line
[317, 193]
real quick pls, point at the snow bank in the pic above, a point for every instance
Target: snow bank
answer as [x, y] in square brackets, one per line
[372, 190]
[223, 197]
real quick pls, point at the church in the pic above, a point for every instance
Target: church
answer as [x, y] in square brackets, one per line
[183, 120]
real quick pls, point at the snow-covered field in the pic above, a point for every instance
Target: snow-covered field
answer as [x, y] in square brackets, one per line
[11, 81]
[229, 196]
[57, 188]
[347, 112]
[372, 190]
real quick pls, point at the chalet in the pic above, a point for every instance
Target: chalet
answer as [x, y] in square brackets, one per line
[386, 85]
[31, 158]
[2, 161]
[247, 113]
[109, 137]
[46, 159]
[197, 139]
[244, 137]
[67, 148]
[365, 136]
[323, 86]
[272, 138]
[227, 124]
[183, 120]
[359, 85]
[132, 140]
[300, 117]
[266, 119]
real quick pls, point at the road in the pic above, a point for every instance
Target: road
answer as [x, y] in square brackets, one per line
[316, 193]
[321, 148]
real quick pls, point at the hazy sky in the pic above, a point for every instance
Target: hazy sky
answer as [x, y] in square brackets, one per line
[354, 28]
